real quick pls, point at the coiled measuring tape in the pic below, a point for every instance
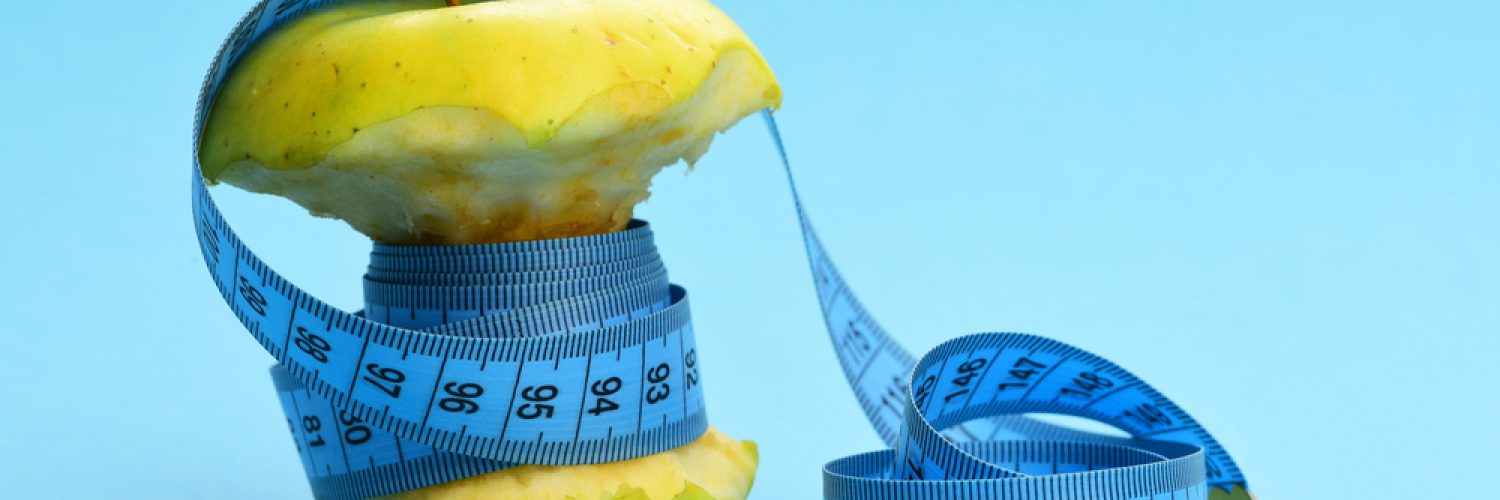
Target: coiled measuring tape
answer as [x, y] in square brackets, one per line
[955, 417]
[472, 359]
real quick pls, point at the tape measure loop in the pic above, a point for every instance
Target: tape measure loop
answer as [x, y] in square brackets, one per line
[1090, 471]
[943, 412]
[568, 371]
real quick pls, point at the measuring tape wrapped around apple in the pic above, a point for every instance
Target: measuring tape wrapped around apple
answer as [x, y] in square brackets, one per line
[469, 359]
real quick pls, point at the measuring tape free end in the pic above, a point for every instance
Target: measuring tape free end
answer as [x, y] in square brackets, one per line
[955, 418]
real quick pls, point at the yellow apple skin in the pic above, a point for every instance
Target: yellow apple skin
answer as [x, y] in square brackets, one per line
[1235, 493]
[496, 121]
[714, 467]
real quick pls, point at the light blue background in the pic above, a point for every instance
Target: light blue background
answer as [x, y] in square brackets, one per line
[1281, 213]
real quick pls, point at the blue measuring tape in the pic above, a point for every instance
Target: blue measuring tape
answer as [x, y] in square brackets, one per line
[955, 417]
[471, 359]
